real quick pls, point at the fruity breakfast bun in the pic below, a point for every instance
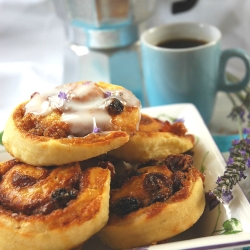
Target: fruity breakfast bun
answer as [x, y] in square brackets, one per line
[153, 203]
[155, 139]
[71, 122]
[57, 207]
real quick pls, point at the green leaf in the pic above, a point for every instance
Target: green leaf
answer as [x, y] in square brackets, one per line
[1, 136]
[203, 167]
[232, 226]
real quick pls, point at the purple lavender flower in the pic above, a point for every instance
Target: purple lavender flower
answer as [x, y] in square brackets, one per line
[248, 162]
[246, 131]
[227, 197]
[241, 114]
[86, 83]
[179, 120]
[219, 180]
[223, 189]
[107, 94]
[242, 175]
[95, 128]
[230, 161]
[242, 152]
[237, 111]
[247, 140]
[62, 95]
[235, 142]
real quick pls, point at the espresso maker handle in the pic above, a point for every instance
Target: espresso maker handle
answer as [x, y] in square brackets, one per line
[183, 5]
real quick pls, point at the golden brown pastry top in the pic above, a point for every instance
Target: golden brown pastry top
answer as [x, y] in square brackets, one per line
[78, 109]
[165, 181]
[30, 190]
[54, 207]
[151, 124]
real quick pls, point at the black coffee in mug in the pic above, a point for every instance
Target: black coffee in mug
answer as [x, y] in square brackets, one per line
[181, 43]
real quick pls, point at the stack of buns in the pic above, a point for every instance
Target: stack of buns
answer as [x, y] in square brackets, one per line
[63, 186]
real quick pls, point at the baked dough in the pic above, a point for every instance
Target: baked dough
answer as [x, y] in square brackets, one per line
[155, 140]
[154, 203]
[72, 122]
[51, 208]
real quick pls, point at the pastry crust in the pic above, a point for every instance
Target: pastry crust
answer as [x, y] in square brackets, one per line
[155, 140]
[57, 208]
[44, 140]
[45, 151]
[154, 204]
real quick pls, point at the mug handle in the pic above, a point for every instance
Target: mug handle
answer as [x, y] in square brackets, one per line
[224, 84]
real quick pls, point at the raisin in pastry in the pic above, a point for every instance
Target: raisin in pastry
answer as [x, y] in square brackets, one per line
[57, 207]
[153, 203]
[72, 122]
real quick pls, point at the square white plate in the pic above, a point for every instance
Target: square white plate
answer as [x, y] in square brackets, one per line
[206, 154]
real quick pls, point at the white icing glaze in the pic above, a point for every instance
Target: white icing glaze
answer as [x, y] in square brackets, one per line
[83, 105]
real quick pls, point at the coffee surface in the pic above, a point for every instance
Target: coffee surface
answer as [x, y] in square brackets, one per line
[181, 43]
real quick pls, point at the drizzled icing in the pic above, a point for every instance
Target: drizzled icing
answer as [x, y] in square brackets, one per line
[83, 106]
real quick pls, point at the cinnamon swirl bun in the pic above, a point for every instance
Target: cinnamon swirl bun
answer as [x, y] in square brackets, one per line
[153, 203]
[155, 139]
[53, 207]
[72, 122]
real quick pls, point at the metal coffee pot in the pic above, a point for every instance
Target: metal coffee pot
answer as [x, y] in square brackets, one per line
[102, 40]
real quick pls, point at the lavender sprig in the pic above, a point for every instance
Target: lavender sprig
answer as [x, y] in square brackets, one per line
[239, 155]
[238, 162]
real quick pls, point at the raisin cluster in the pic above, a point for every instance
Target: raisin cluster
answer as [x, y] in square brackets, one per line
[157, 186]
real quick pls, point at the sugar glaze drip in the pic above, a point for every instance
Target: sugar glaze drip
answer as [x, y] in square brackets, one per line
[79, 104]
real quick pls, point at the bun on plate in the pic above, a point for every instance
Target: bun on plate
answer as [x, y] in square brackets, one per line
[72, 122]
[155, 140]
[153, 203]
[53, 207]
